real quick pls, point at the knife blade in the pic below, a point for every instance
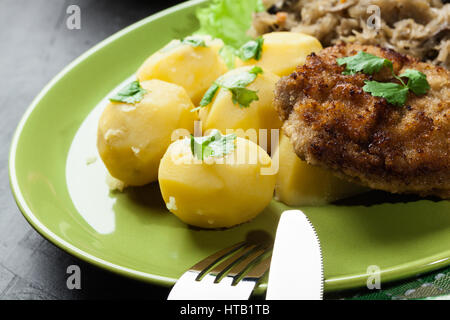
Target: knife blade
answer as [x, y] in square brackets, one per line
[296, 269]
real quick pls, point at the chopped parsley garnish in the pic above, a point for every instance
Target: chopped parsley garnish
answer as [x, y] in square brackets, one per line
[242, 96]
[240, 79]
[227, 53]
[417, 81]
[131, 93]
[236, 84]
[251, 49]
[209, 95]
[363, 62]
[194, 41]
[213, 145]
[394, 93]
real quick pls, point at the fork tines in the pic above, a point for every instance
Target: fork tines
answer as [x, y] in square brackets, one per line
[231, 273]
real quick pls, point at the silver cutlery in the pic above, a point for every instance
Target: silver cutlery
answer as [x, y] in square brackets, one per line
[230, 274]
[296, 270]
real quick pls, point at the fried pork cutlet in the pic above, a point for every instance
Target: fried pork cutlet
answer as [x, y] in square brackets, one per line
[332, 122]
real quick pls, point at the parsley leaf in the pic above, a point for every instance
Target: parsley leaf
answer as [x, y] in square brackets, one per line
[209, 95]
[417, 81]
[394, 93]
[236, 83]
[213, 145]
[241, 79]
[227, 53]
[251, 49]
[256, 70]
[243, 96]
[363, 62]
[131, 93]
[194, 41]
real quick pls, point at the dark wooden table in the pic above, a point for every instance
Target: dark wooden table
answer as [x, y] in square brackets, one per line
[35, 44]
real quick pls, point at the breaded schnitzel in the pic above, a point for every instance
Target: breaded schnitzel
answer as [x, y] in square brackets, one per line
[334, 123]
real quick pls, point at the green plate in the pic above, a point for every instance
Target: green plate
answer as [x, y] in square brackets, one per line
[64, 196]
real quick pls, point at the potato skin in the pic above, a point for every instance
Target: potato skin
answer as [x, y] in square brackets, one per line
[132, 139]
[193, 68]
[215, 195]
[283, 51]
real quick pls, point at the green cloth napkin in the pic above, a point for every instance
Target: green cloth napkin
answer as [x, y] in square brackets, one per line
[430, 286]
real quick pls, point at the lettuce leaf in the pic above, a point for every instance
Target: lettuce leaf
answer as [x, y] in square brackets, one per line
[228, 20]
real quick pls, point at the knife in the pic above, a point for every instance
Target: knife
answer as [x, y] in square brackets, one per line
[296, 269]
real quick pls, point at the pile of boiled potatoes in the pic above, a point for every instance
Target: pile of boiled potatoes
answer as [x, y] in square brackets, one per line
[150, 140]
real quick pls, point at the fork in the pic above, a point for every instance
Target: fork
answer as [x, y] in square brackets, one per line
[229, 274]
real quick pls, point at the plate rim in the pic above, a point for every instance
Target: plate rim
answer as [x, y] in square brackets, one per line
[402, 271]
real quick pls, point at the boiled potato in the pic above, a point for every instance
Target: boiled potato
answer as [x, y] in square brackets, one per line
[282, 52]
[133, 138]
[193, 68]
[223, 114]
[299, 183]
[221, 192]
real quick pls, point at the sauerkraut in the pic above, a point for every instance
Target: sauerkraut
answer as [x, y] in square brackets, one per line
[420, 28]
